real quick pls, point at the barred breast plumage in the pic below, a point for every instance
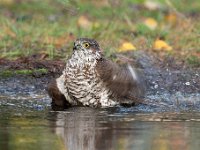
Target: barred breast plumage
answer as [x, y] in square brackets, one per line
[91, 80]
[82, 83]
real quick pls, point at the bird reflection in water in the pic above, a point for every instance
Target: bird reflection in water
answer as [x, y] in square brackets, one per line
[78, 129]
[83, 128]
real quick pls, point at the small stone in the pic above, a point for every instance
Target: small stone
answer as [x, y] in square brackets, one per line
[156, 86]
[187, 83]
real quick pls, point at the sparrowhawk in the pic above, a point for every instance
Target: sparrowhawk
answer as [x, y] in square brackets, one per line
[89, 79]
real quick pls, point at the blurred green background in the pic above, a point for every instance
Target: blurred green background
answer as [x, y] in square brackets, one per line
[49, 27]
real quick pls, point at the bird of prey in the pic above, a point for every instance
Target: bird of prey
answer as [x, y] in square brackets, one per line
[89, 79]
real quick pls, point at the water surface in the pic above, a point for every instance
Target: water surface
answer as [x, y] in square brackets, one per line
[29, 123]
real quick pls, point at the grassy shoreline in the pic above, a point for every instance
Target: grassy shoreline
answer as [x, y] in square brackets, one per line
[49, 27]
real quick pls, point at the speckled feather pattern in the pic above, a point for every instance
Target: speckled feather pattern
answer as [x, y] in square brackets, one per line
[80, 82]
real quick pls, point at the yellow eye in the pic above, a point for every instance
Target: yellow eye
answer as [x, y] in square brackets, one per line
[86, 45]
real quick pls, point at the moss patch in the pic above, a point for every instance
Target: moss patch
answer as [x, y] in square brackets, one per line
[10, 73]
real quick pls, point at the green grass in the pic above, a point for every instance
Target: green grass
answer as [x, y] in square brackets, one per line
[36, 26]
[193, 60]
[10, 73]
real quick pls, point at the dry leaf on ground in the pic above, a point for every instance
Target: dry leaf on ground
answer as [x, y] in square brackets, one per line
[152, 5]
[161, 45]
[126, 46]
[84, 22]
[171, 18]
[151, 23]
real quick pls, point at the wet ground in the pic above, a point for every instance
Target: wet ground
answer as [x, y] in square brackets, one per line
[27, 121]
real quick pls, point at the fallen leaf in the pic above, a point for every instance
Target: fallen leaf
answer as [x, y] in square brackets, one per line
[171, 18]
[161, 45]
[152, 5]
[84, 22]
[151, 23]
[126, 46]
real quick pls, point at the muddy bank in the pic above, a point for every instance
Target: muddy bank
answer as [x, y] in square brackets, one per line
[167, 80]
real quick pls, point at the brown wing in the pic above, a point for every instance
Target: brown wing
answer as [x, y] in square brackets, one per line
[120, 80]
[58, 99]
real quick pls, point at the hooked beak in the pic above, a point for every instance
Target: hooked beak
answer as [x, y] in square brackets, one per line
[76, 47]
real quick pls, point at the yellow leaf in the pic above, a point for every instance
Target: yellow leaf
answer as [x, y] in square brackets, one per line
[84, 22]
[171, 18]
[127, 46]
[151, 23]
[161, 45]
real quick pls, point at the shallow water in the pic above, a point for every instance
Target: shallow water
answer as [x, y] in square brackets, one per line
[28, 123]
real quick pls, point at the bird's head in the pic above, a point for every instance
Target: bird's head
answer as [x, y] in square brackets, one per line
[87, 47]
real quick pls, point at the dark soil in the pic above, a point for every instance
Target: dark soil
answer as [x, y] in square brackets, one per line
[54, 67]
